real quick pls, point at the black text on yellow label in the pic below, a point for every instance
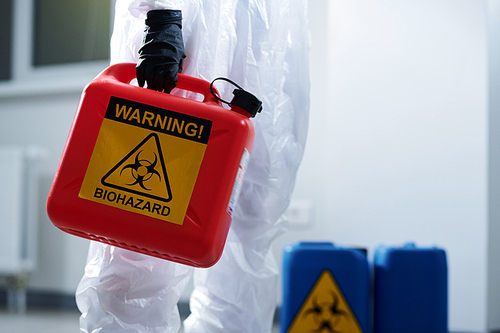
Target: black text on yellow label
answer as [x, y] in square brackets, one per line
[159, 120]
[146, 160]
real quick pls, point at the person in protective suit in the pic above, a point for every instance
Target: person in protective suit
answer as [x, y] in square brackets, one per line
[263, 46]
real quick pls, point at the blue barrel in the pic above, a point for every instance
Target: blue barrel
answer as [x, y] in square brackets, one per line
[410, 290]
[325, 288]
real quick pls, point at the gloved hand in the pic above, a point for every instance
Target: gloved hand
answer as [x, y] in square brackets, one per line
[162, 52]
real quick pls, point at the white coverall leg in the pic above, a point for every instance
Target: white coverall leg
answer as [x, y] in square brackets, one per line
[263, 46]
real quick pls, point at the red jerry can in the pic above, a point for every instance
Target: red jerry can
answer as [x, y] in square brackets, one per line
[152, 172]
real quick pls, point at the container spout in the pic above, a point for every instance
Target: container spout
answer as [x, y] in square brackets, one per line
[248, 102]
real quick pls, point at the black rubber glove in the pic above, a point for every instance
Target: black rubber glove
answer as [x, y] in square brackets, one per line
[162, 52]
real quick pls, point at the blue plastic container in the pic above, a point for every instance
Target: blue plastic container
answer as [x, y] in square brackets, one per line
[410, 290]
[326, 287]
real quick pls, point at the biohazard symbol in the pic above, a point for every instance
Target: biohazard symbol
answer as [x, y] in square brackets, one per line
[325, 310]
[142, 171]
[326, 314]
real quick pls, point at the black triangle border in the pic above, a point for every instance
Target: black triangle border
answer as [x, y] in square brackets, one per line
[132, 152]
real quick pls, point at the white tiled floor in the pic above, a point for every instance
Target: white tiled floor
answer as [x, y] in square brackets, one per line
[45, 322]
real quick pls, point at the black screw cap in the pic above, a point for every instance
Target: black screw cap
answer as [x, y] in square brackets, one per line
[246, 101]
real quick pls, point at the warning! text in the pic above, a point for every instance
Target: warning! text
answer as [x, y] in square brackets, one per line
[160, 120]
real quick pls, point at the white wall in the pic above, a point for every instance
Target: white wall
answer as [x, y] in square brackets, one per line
[44, 121]
[397, 146]
[494, 165]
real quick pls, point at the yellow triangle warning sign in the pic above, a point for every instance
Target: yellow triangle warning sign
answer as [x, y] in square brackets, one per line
[325, 310]
[142, 171]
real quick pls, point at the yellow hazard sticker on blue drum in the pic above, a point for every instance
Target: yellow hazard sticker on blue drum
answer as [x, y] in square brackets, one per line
[146, 160]
[325, 310]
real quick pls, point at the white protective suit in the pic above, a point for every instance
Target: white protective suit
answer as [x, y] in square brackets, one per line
[263, 46]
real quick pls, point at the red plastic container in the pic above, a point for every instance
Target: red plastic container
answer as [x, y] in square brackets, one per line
[151, 172]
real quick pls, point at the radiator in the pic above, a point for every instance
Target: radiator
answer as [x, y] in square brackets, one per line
[18, 216]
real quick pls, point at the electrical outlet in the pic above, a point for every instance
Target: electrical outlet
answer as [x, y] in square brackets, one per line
[300, 213]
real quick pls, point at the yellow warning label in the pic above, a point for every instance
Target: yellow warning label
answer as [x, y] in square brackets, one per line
[325, 310]
[142, 166]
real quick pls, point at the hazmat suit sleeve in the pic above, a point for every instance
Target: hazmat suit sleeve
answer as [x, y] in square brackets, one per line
[122, 291]
[263, 46]
[269, 57]
[141, 7]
